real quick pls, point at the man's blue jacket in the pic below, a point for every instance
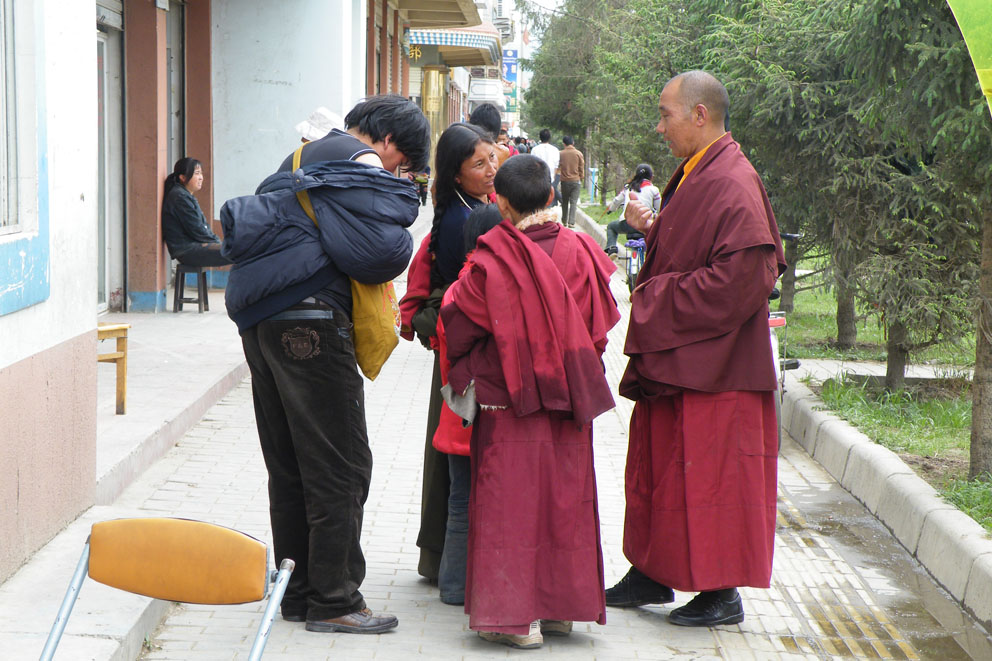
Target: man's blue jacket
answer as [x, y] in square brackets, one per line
[280, 257]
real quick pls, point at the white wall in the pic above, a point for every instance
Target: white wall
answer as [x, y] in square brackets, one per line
[62, 51]
[273, 64]
[461, 77]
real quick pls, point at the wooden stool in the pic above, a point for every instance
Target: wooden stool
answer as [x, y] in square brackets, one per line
[179, 285]
[105, 332]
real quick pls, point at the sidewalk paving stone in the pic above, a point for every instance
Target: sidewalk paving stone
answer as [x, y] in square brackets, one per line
[842, 586]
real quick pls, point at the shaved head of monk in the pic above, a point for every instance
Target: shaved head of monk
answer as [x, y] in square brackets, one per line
[694, 108]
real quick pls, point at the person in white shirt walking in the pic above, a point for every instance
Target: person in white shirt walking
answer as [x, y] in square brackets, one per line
[548, 153]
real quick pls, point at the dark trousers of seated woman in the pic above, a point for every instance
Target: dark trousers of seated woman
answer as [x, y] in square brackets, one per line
[205, 254]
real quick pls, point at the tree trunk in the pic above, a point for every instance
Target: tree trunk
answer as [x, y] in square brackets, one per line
[847, 329]
[981, 389]
[895, 362]
[603, 167]
[590, 162]
[788, 285]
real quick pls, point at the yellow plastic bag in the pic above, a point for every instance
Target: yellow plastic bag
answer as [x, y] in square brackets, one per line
[375, 316]
[375, 311]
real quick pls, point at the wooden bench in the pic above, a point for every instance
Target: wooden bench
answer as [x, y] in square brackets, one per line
[119, 331]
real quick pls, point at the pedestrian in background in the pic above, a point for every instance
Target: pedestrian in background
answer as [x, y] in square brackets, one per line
[703, 442]
[488, 117]
[548, 153]
[639, 187]
[572, 168]
[504, 139]
[318, 124]
[184, 227]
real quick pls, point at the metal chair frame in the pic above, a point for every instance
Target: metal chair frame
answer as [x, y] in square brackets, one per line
[275, 587]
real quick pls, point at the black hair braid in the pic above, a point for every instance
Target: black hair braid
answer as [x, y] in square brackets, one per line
[436, 280]
[456, 144]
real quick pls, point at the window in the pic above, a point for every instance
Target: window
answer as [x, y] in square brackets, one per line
[25, 248]
[9, 220]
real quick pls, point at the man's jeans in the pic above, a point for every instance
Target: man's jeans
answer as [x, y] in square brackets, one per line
[613, 229]
[310, 413]
[454, 559]
[569, 201]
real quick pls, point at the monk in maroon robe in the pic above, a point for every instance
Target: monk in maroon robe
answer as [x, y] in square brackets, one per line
[526, 329]
[703, 443]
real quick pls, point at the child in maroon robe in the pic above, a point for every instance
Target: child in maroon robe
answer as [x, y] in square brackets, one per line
[526, 330]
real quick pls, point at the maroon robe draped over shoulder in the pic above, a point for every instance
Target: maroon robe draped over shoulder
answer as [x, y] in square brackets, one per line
[528, 325]
[701, 463]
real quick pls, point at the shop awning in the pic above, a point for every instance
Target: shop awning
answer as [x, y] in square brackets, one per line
[463, 47]
[439, 14]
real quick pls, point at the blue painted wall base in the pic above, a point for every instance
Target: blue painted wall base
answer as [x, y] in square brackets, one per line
[147, 301]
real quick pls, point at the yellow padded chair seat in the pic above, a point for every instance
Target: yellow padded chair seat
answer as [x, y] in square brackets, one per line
[179, 560]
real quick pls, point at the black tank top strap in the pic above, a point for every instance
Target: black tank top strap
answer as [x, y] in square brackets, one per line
[335, 146]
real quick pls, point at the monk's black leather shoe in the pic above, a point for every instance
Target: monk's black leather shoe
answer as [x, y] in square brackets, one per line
[636, 589]
[709, 609]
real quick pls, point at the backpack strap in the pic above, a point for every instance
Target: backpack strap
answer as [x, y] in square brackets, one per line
[303, 196]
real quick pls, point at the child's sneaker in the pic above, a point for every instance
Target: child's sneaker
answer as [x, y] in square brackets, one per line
[556, 627]
[529, 641]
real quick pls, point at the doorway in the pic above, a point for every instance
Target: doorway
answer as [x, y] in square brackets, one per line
[175, 63]
[110, 170]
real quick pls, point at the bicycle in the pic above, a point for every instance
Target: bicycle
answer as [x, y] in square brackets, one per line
[635, 257]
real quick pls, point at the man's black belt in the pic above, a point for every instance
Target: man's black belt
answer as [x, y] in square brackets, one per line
[310, 308]
[293, 314]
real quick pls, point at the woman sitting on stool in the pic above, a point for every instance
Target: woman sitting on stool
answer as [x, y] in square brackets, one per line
[184, 227]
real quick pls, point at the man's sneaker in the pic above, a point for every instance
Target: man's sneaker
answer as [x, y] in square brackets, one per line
[556, 627]
[363, 621]
[529, 641]
[612, 250]
[709, 609]
[636, 589]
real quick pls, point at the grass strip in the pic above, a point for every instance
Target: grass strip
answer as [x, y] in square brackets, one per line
[924, 424]
[973, 497]
[598, 213]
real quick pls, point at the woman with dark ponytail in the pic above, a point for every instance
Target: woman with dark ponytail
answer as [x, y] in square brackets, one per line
[184, 227]
[465, 165]
[639, 186]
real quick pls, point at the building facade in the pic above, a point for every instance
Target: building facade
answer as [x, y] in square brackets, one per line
[99, 100]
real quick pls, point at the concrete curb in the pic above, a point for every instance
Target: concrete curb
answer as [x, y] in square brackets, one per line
[107, 624]
[590, 226]
[950, 545]
[112, 483]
